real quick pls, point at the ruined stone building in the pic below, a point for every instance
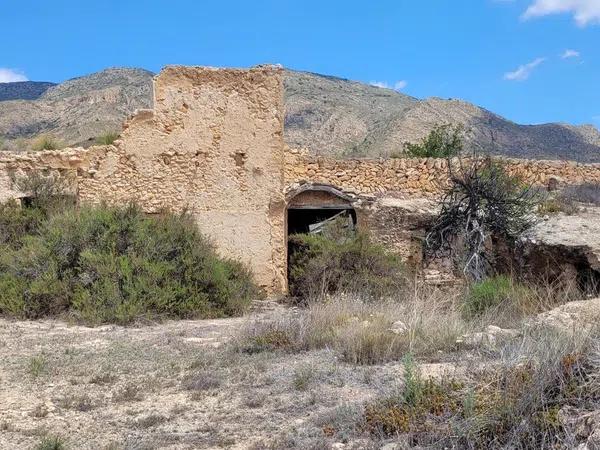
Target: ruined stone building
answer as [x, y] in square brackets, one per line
[213, 145]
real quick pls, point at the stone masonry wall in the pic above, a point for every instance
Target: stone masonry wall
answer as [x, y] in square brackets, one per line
[416, 177]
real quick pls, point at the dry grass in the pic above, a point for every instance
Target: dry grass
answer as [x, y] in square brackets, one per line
[363, 332]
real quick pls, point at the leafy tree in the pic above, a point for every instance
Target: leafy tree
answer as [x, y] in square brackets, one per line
[442, 142]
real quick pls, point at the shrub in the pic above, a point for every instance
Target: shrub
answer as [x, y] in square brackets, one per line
[108, 264]
[493, 292]
[482, 203]
[513, 403]
[107, 138]
[319, 266]
[442, 142]
[558, 204]
[51, 443]
[45, 143]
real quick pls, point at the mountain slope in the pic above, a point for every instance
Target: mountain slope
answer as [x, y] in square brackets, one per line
[337, 117]
[80, 109]
[327, 115]
[23, 90]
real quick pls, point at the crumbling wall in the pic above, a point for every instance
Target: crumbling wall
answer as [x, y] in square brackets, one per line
[213, 145]
[418, 177]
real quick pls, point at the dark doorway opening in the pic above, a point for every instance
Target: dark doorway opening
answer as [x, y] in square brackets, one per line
[307, 220]
[300, 220]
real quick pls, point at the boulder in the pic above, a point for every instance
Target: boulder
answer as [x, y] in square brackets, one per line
[572, 316]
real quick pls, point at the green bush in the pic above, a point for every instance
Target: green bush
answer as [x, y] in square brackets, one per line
[107, 138]
[442, 142]
[45, 143]
[109, 264]
[492, 293]
[320, 266]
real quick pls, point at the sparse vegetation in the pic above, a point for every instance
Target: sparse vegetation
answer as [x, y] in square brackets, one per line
[107, 138]
[37, 366]
[51, 443]
[444, 141]
[45, 142]
[363, 331]
[588, 193]
[320, 266]
[515, 405]
[482, 203]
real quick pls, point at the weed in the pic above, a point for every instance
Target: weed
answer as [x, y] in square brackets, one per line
[303, 377]
[128, 393]
[107, 138]
[37, 366]
[45, 142]
[51, 443]
[204, 380]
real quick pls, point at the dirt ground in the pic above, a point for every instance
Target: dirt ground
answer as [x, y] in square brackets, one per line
[175, 385]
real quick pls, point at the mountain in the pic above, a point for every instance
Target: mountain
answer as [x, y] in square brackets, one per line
[333, 116]
[23, 90]
[327, 115]
[78, 110]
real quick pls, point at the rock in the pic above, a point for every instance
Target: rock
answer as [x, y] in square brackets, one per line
[585, 426]
[489, 338]
[398, 327]
[338, 446]
[579, 315]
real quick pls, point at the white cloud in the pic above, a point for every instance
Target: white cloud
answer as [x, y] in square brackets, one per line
[523, 72]
[380, 84]
[11, 75]
[585, 12]
[398, 85]
[570, 54]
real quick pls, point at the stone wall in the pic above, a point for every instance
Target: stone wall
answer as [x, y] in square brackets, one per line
[213, 145]
[416, 177]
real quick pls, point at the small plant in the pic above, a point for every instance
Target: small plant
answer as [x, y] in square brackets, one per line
[557, 205]
[303, 377]
[151, 420]
[51, 443]
[204, 380]
[443, 141]
[45, 142]
[37, 366]
[492, 292]
[107, 138]
[128, 393]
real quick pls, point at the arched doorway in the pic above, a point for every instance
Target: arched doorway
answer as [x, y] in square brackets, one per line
[312, 206]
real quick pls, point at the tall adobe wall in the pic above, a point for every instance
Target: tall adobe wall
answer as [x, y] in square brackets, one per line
[212, 145]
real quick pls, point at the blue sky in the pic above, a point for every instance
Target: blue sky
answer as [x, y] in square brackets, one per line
[532, 61]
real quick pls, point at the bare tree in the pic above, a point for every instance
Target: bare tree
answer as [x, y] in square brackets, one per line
[483, 202]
